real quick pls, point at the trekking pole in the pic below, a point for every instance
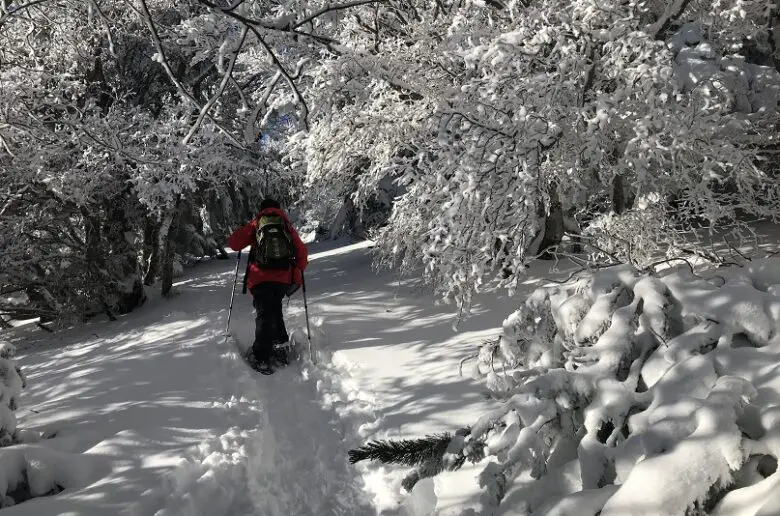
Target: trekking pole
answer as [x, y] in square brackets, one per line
[232, 296]
[306, 311]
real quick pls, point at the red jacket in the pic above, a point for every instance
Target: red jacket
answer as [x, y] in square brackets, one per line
[245, 236]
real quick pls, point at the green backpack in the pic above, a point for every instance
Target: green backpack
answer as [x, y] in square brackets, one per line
[273, 247]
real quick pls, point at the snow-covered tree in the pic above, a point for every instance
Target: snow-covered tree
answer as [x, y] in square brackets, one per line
[508, 124]
[477, 133]
[113, 124]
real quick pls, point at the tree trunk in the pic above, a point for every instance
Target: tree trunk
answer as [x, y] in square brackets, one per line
[97, 278]
[190, 231]
[168, 230]
[151, 254]
[344, 222]
[621, 200]
[96, 80]
[121, 238]
[553, 225]
[92, 226]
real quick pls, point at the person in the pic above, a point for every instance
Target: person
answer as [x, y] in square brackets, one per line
[270, 276]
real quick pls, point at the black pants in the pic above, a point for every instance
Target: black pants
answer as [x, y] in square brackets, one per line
[269, 319]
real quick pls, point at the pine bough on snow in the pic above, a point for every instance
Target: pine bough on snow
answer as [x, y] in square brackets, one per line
[622, 392]
[430, 455]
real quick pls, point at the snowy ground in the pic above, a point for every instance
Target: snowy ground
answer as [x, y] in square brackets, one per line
[155, 415]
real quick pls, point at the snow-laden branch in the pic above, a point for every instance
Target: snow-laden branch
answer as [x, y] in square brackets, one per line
[19, 10]
[672, 11]
[162, 59]
[104, 19]
[334, 7]
[266, 25]
[287, 77]
[220, 89]
[249, 127]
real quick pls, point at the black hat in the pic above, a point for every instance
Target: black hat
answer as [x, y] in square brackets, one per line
[269, 203]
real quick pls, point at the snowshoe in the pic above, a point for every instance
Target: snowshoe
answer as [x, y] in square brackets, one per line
[280, 354]
[263, 367]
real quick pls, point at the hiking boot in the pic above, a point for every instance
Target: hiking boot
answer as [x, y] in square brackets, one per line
[250, 358]
[265, 367]
[261, 366]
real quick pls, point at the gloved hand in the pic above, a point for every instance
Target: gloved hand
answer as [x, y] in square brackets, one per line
[292, 289]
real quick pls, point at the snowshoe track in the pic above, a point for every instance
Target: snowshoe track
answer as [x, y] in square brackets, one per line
[298, 462]
[301, 465]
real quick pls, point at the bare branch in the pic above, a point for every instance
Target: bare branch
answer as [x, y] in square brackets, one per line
[249, 136]
[733, 248]
[220, 90]
[672, 11]
[168, 70]
[465, 359]
[337, 7]
[288, 78]
[653, 265]
[8, 14]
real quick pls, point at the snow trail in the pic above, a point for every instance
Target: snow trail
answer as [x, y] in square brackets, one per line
[298, 462]
[169, 420]
[300, 466]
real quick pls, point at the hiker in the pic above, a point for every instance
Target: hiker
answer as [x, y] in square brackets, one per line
[276, 261]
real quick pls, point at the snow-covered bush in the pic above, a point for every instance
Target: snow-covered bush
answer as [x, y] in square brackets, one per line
[30, 471]
[625, 391]
[12, 381]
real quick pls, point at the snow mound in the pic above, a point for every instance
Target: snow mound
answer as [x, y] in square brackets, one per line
[30, 471]
[212, 480]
